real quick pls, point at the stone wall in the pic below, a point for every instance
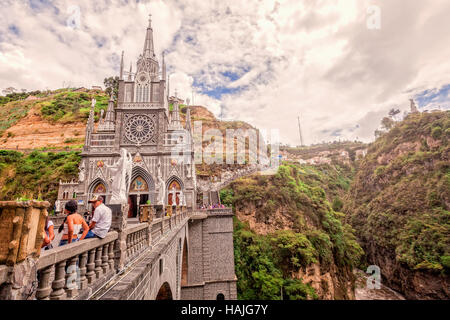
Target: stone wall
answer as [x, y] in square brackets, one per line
[211, 257]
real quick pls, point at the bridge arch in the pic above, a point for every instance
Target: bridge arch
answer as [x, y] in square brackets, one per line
[164, 293]
[184, 264]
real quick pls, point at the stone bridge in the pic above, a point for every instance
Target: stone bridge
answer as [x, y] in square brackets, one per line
[186, 254]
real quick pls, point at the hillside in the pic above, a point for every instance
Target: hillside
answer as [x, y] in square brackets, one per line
[287, 234]
[35, 123]
[399, 204]
[52, 120]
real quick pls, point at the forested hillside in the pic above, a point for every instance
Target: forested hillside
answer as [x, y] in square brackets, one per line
[290, 242]
[399, 204]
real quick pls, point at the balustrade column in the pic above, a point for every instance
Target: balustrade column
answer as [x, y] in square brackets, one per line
[58, 292]
[44, 287]
[111, 256]
[83, 269]
[128, 242]
[105, 264]
[91, 266]
[71, 278]
[138, 241]
[133, 244]
[98, 262]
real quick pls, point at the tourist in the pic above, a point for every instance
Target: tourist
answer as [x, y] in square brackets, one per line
[49, 234]
[101, 222]
[72, 224]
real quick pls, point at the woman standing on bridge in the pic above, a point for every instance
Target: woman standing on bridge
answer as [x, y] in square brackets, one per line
[72, 224]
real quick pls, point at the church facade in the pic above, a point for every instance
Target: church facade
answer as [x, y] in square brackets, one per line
[146, 123]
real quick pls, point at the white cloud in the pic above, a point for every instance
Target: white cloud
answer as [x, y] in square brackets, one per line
[314, 58]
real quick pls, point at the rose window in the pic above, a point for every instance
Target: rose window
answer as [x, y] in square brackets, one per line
[139, 129]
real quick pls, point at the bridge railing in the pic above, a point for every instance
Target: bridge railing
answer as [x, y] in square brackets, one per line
[77, 269]
[216, 211]
[137, 240]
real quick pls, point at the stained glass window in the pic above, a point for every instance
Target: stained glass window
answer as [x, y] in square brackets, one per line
[100, 188]
[139, 185]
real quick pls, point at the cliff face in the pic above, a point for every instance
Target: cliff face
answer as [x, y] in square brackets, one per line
[287, 227]
[399, 205]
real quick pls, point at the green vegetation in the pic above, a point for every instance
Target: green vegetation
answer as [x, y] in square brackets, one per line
[11, 113]
[69, 107]
[18, 96]
[36, 175]
[317, 236]
[258, 267]
[402, 191]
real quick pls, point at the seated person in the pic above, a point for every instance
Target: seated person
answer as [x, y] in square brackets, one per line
[49, 234]
[72, 224]
[101, 222]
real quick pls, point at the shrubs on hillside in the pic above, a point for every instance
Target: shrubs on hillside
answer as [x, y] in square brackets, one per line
[72, 106]
[36, 175]
[318, 235]
[402, 192]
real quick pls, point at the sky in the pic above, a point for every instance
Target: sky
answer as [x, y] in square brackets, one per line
[340, 65]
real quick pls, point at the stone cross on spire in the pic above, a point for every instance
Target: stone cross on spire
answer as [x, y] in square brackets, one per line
[149, 51]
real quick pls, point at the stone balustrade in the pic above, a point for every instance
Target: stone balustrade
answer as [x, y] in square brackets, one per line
[76, 271]
[137, 240]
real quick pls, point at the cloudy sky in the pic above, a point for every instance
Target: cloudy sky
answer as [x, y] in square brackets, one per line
[339, 64]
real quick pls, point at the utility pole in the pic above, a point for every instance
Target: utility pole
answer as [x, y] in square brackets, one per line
[300, 132]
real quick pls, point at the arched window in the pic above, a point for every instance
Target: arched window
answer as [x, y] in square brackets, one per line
[139, 185]
[220, 296]
[99, 189]
[174, 193]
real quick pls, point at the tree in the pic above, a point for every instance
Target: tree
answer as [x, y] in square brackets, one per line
[393, 112]
[387, 123]
[112, 86]
[9, 90]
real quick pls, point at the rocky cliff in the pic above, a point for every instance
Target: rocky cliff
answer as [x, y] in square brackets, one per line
[399, 205]
[288, 234]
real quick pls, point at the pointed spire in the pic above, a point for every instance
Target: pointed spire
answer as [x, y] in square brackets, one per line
[188, 120]
[108, 123]
[175, 118]
[121, 67]
[149, 51]
[90, 124]
[163, 67]
[91, 115]
[168, 86]
[131, 71]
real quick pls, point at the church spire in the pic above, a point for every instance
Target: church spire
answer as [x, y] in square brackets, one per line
[175, 118]
[149, 51]
[163, 68]
[188, 120]
[108, 122]
[131, 71]
[121, 67]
